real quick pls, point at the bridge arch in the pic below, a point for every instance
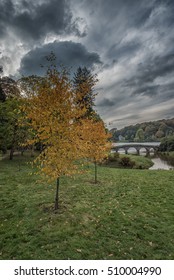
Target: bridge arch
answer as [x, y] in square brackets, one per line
[137, 147]
[132, 148]
[121, 150]
[142, 150]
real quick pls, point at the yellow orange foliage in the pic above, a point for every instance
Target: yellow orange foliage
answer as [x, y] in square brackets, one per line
[52, 116]
[58, 123]
[96, 139]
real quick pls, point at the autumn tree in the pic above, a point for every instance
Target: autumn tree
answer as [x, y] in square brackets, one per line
[59, 115]
[94, 132]
[52, 115]
[98, 141]
[159, 134]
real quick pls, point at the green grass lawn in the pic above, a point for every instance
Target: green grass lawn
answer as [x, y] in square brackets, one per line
[128, 214]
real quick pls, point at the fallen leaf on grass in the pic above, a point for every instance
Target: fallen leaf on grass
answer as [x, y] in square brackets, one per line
[79, 250]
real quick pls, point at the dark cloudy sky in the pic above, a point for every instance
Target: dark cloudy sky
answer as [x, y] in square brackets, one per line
[128, 43]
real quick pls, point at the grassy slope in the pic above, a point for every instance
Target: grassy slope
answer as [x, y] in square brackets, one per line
[129, 214]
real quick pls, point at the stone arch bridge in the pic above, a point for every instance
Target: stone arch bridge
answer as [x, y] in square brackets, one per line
[149, 147]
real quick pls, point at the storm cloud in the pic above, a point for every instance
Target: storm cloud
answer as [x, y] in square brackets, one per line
[33, 20]
[150, 70]
[106, 102]
[129, 44]
[69, 54]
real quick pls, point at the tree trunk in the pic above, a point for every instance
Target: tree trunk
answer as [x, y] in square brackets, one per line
[22, 151]
[56, 206]
[32, 151]
[95, 163]
[41, 147]
[11, 153]
[13, 142]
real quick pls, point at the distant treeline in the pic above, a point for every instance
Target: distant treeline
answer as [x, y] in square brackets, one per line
[147, 131]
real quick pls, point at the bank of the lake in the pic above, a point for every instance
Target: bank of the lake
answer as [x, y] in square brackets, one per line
[132, 161]
[168, 156]
[128, 214]
[161, 163]
[154, 161]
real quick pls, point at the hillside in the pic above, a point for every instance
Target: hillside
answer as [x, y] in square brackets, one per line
[147, 131]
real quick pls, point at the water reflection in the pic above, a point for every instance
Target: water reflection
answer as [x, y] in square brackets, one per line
[160, 164]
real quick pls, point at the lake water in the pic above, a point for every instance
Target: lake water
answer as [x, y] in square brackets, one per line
[159, 163]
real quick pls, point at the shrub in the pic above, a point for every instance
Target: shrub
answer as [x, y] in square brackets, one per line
[127, 162]
[113, 157]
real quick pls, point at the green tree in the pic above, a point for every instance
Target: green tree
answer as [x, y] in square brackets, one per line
[11, 132]
[167, 144]
[2, 94]
[9, 87]
[139, 135]
[150, 131]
